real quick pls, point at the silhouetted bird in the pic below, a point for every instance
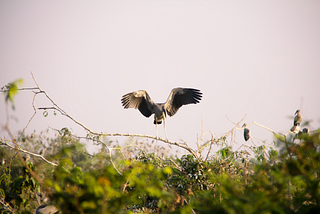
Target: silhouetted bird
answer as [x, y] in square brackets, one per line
[305, 130]
[297, 118]
[246, 132]
[43, 151]
[177, 98]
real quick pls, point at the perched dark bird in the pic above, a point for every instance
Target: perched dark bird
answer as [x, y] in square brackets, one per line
[305, 130]
[297, 118]
[47, 209]
[246, 132]
[43, 151]
[177, 98]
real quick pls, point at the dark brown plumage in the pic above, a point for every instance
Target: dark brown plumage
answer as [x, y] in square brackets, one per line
[177, 98]
[305, 130]
[246, 132]
[298, 118]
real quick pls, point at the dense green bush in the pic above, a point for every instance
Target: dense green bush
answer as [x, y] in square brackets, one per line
[134, 179]
[228, 183]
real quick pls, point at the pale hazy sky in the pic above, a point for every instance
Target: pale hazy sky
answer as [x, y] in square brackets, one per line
[260, 58]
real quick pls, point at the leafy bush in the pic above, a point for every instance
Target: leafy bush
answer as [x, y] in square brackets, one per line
[229, 183]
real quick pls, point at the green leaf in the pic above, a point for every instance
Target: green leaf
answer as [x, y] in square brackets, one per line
[88, 205]
[45, 113]
[167, 170]
[12, 90]
[2, 193]
[57, 187]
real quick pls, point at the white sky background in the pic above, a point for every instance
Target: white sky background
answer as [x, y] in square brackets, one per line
[260, 58]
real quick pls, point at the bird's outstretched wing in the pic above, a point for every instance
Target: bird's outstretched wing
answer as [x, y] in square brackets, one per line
[181, 96]
[139, 100]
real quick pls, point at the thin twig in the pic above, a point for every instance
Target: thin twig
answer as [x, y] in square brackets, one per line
[34, 114]
[209, 147]
[17, 148]
[225, 135]
[264, 127]
[6, 205]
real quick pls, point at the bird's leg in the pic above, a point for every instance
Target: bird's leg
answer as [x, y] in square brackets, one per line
[157, 131]
[164, 126]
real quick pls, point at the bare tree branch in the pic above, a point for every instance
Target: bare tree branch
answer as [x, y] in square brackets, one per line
[17, 148]
[197, 154]
[223, 136]
[264, 127]
[210, 147]
[34, 114]
[186, 147]
[6, 205]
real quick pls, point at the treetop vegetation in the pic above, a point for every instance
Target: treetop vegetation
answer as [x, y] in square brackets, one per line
[54, 167]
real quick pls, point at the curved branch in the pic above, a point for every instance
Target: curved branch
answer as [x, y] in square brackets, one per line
[3, 142]
[220, 138]
[34, 114]
[37, 90]
[56, 107]
[184, 146]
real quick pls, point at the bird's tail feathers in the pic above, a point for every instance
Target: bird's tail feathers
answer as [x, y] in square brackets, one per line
[157, 122]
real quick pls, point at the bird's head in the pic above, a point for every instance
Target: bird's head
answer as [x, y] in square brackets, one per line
[244, 125]
[305, 130]
[297, 112]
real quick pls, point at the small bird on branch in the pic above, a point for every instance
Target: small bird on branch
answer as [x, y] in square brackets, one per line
[305, 130]
[296, 122]
[246, 132]
[298, 118]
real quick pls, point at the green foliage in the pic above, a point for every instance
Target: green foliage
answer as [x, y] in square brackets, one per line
[10, 90]
[259, 153]
[228, 183]
[18, 190]
[106, 191]
[291, 185]
[225, 152]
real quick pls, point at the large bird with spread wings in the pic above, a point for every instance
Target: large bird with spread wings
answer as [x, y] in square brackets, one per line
[177, 98]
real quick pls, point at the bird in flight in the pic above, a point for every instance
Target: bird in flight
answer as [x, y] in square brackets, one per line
[177, 98]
